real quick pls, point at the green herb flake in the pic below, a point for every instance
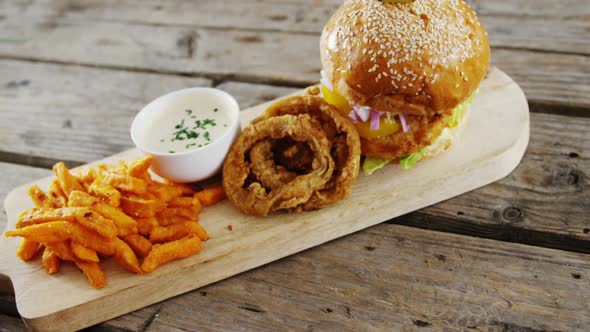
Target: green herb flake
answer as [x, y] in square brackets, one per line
[188, 112]
[215, 110]
[180, 125]
[206, 135]
[171, 151]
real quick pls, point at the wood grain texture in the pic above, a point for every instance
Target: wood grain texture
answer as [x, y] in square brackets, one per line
[14, 176]
[389, 277]
[548, 165]
[472, 163]
[267, 56]
[44, 108]
[393, 278]
[526, 24]
[11, 324]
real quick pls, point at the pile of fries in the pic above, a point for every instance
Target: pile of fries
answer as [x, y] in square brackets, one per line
[117, 211]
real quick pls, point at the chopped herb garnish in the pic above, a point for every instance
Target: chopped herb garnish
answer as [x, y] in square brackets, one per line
[171, 151]
[189, 112]
[215, 110]
[180, 125]
[225, 124]
[193, 116]
[206, 135]
[162, 140]
[209, 122]
[200, 145]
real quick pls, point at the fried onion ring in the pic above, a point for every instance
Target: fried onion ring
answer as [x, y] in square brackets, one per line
[254, 198]
[300, 155]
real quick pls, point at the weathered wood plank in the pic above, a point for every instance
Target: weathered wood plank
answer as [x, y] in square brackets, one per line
[62, 123]
[262, 56]
[549, 188]
[555, 167]
[11, 324]
[249, 95]
[14, 176]
[521, 24]
[391, 277]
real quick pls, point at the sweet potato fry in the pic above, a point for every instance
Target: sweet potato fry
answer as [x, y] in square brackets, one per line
[210, 196]
[39, 197]
[105, 193]
[35, 216]
[126, 257]
[186, 201]
[86, 174]
[139, 167]
[83, 215]
[56, 195]
[183, 201]
[177, 231]
[27, 249]
[93, 272]
[175, 215]
[125, 182]
[140, 245]
[140, 207]
[63, 250]
[58, 231]
[125, 224]
[164, 192]
[185, 189]
[66, 180]
[83, 253]
[166, 252]
[101, 225]
[51, 261]
[145, 225]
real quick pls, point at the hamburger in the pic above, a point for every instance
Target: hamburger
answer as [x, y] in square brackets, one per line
[405, 73]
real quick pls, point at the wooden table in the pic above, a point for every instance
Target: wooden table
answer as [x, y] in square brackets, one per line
[512, 256]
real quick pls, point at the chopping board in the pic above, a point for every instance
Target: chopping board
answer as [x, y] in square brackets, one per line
[492, 145]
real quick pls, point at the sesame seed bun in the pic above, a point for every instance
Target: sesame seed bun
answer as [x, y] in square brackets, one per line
[422, 58]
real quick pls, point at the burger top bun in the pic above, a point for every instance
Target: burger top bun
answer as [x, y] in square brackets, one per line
[419, 58]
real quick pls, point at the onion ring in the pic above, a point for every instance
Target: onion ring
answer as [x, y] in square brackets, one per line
[302, 154]
[254, 198]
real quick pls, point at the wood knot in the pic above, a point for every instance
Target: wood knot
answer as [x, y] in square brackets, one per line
[565, 176]
[512, 214]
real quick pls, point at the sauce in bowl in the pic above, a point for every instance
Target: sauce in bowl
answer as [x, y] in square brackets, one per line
[188, 132]
[188, 123]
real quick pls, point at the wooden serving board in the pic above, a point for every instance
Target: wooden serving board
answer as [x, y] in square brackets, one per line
[492, 145]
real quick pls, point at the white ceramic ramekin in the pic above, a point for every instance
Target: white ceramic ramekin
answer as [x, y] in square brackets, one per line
[195, 164]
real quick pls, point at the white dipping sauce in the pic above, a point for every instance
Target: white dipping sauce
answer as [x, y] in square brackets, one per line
[191, 122]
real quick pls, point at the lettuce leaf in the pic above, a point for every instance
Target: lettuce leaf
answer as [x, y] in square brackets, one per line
[371, 164]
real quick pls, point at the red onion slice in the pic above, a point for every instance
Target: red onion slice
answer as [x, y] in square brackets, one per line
[402, 119]
[363, 112]
[375, 120]
[354, 117]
